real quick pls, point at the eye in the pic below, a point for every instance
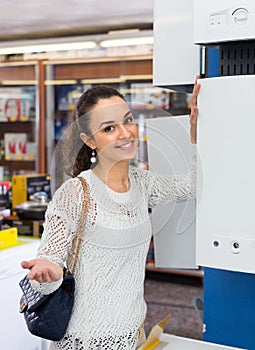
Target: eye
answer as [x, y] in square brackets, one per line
[129, 119]
[109, 128]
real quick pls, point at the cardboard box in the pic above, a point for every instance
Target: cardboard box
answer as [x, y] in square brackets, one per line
[23, 186]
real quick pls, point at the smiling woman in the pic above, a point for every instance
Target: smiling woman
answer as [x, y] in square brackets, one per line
[109, 309]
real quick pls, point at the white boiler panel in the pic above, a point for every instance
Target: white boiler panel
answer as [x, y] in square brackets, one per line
[173, 44]
[173, 224]
[218, 21]
[226, 173]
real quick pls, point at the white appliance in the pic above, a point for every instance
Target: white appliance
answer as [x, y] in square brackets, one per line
[13, 331]
[175, 58]
[226, 173]
[179, 343]
[219, 21]
[173, 225]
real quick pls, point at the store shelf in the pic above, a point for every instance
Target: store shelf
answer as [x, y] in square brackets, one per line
[17, 80]
[18, 164]
[181, 272]
[186, 276]
[17, 127]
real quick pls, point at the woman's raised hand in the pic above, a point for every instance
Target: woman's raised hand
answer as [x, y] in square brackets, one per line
[194, 111]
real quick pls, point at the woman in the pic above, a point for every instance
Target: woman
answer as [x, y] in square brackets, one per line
[109, 308]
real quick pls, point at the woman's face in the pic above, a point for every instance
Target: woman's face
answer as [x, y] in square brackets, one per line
[114, 131]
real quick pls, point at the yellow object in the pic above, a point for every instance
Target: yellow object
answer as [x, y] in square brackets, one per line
[8, 237]
[153, 338]
[152, 345]
[162, 324]
[23, 186]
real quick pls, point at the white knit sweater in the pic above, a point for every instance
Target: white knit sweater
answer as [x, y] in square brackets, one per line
[109, 296]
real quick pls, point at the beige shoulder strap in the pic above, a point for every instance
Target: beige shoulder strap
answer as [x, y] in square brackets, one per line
[78, 237]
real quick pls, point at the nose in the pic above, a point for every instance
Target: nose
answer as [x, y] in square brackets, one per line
[124, 131]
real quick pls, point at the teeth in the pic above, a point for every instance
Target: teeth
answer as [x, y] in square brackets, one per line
[127, 145]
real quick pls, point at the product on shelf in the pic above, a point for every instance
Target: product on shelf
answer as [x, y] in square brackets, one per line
[15, 145]
[14, 107]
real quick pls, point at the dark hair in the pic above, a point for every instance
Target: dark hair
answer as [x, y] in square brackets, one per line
[86, 102]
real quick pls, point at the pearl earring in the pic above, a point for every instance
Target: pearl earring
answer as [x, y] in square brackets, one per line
[93, 157]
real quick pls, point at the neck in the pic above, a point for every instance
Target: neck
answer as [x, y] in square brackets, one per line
[115, 176]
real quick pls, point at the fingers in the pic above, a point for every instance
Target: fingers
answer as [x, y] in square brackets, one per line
[195, 93]
[194, 108]
[194, 111]
[36, 272]
[42, 270]
[27, 264]
[41, 276]
[193, 116]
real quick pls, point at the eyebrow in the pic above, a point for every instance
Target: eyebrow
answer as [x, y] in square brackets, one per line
[112, 121]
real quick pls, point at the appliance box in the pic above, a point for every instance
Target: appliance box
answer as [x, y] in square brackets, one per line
[23, 186]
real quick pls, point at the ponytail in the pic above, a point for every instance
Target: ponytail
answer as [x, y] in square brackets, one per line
[75, 153]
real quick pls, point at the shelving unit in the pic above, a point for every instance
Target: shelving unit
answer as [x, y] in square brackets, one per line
[24, 78]
[17, 127]
[191, 273]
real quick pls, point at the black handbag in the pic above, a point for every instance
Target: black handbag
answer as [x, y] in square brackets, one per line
[47, 316]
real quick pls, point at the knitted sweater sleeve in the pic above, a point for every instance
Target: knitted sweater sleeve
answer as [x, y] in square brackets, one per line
[166, 189]
[61, 221]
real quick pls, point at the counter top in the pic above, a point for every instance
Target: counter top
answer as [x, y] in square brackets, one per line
[11, 257]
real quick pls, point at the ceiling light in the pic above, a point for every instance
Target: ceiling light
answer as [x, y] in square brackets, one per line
[39, 46]
[124, 38]
[123, 31]
[127, 41]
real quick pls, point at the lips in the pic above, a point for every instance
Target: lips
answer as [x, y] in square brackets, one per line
[126, 146]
